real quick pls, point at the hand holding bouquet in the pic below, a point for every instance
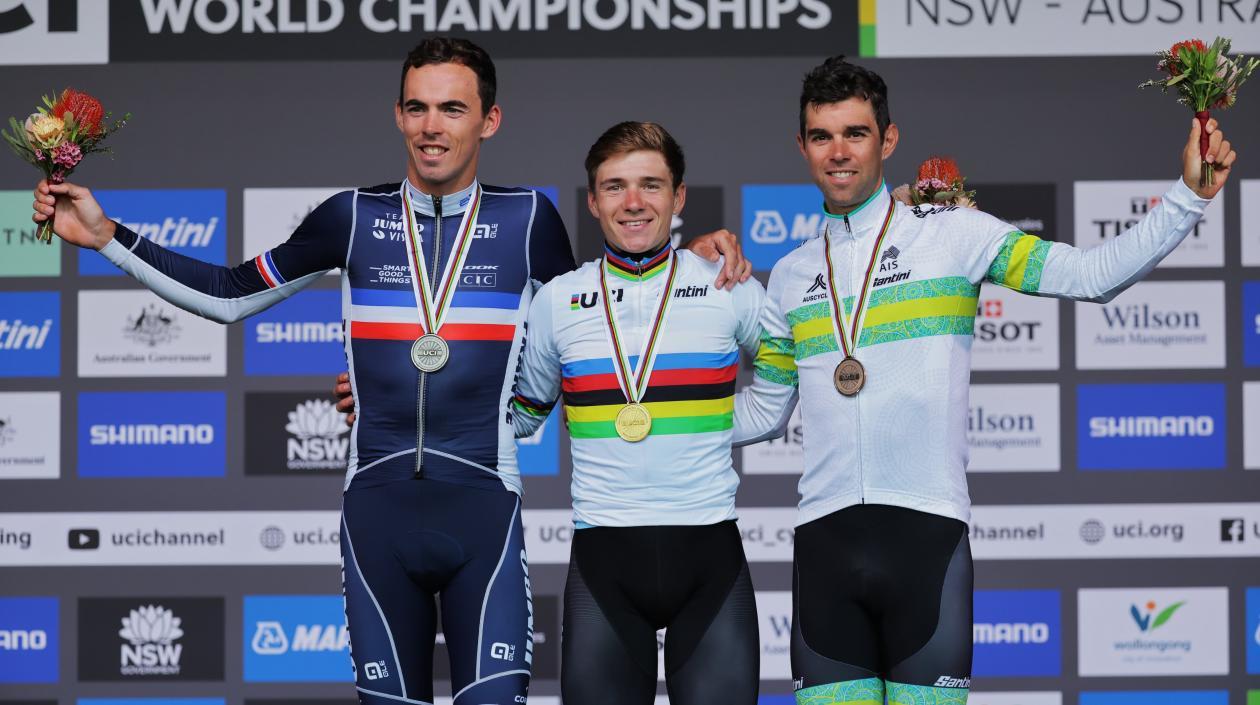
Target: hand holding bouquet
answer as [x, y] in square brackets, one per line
[56, 137]
[1205, 79]
[939, 183]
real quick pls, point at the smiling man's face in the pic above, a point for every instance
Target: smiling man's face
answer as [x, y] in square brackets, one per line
[843, 149]
[443, 123]
[635, 200]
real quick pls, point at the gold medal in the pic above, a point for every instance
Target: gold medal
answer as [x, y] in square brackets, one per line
[850, 376]
[633, 423]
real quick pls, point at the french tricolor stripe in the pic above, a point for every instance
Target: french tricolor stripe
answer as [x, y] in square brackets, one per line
[267, 268]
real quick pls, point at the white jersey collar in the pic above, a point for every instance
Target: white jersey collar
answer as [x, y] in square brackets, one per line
[865, 219]
[452, 203]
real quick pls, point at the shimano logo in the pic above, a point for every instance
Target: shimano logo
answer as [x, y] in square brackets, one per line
[948, 682]
[14, 335]
[769, 228]
[177, 233]
[152, 434]
[1011, 633]
[23, 640]
[299, 332]
[1151, 426]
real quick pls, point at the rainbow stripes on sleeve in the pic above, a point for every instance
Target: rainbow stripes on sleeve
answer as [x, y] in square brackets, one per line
[687, 393]
[1019, 262]
[525, 405]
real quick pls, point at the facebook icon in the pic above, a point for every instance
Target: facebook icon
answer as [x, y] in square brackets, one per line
[1233, 530]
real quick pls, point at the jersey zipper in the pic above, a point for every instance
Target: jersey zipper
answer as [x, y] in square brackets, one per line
[423, 380]
[858, 399]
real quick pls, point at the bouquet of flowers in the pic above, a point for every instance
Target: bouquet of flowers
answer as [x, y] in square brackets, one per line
[1205, 79]
[939, 184]
[56, 137]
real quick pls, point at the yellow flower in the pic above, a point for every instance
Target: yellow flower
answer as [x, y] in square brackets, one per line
[47, 131]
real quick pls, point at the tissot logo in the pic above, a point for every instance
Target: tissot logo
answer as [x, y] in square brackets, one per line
[777, 219]
[29, 639]
[1105, 209]
[294, 434]
[296, 638]
[1014, 331]
[123, 639]
[1151, 426]
[299, 336]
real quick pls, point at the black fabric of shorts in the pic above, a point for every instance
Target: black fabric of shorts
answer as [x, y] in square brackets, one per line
[882, 592]
[626, 583]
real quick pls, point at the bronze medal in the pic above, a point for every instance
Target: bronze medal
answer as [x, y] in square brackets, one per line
[850, 376]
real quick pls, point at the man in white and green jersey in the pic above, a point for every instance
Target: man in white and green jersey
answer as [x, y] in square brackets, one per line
[883, 580]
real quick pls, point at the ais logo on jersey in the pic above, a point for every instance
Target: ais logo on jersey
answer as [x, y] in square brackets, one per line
[296, 638]
[152, 434]
[190, 222]
[301, 335]
[777, 219]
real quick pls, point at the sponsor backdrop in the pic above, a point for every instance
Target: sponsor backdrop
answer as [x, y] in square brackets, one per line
[169, 487]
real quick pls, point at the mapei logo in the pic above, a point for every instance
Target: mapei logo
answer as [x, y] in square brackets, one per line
[29, 639]
[296, 638]
[1151, 426]
[301, 335]
[1017, 633]
[150, 434]
[1150, 616]
[176, 638]
[30, 334]
[779, 218]
[54, 32]
[190, 222]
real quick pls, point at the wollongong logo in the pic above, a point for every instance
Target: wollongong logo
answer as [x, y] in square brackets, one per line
[1148, 621]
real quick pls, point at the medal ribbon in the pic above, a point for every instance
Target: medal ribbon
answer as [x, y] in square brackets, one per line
[434, 305]
[848, 335]
[635, 387]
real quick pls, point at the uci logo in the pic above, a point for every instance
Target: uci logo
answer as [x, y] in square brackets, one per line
[63, 16]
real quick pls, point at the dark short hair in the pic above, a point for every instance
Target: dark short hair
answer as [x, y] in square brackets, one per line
[836, 80]
[452, 50]
[625, 137]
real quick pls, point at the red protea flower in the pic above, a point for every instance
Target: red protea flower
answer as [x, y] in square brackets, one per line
[86, 109]
[942, 168]
[1195, 44]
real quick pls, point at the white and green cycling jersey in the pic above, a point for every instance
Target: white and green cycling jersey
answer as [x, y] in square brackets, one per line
[902, 439]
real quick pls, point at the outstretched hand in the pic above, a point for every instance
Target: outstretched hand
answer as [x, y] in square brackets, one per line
[1220, 155]
[723, 243]
[76, 216]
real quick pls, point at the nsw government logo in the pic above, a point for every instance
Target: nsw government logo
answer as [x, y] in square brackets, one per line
[124, 639]
[29, 640]
[152, 434]
[296, 638]
[1017, 633]
[294, 434]
[777, 219]
[190, 222]
[1151, 426]
[301, 335]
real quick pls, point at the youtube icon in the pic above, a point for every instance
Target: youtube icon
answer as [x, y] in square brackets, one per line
[84, 539]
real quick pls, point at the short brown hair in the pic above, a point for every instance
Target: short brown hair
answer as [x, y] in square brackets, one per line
[453, 50]
[625, 137]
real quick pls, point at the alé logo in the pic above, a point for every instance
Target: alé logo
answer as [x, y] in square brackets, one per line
[778, 218]
[190, 222]
[1151, 616]
[296, 638]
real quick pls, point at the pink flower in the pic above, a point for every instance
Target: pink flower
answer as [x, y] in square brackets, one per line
[58, 177]
[39, 155]
[67, 154]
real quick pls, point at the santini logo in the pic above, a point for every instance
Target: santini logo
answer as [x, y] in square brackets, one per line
[1151, 426]
[152, 434]
[300, 332]
[177, 233]
[16, 336]
[1011, 633]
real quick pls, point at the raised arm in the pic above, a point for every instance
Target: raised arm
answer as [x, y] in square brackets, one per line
[1025, 263]
[763, 408]
[223, 294]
